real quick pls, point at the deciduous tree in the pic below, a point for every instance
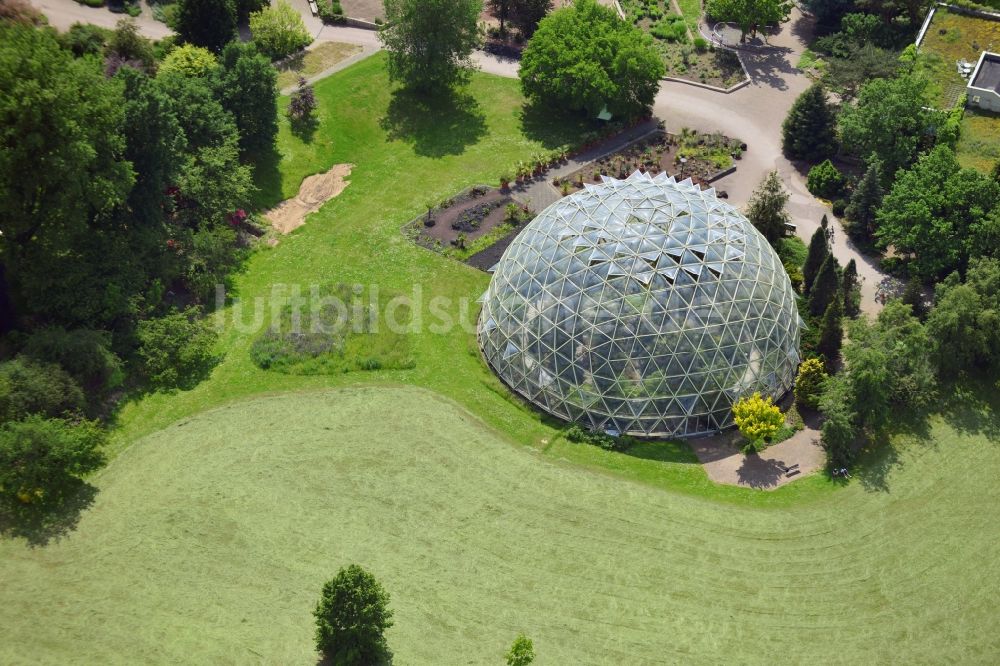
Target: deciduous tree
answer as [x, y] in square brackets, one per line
[757, 418]
[890, 120]
[430, 42]
[247, 87]
[351, 617]
[939, 212]
[278, 30]
[584, 58]
[521, 652]
[750, 15]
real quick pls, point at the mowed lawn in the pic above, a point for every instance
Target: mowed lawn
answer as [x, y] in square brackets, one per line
[209, 541]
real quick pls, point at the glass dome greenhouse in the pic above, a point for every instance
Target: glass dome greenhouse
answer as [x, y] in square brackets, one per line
[643, 306]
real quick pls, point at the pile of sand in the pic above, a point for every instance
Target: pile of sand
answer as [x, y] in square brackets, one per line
[314, 192]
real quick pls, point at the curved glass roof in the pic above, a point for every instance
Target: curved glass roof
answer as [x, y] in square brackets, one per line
[643, 306]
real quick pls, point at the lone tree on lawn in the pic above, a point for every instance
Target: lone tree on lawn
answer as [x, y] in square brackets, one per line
[766, 209]
[809, 131]
[584, 58]
[351, 618]
[866, 200]
[758, 419]
[826, 288]
[749, 15]
[207, 23]
[429, 41]
[831, 333]
[818, 249]
[521, 652]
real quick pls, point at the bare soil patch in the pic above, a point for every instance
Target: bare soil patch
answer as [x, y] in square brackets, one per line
[315, 191]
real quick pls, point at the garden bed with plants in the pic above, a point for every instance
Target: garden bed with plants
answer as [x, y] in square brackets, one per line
[686, 54]
[468, 223]
[700, 157]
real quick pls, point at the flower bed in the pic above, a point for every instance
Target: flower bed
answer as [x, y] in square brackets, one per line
[701, 157]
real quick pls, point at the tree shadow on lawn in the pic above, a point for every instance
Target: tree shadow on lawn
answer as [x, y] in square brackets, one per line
[553, 128]
[445, 124]
[973, 408]
[668, 451]
[39, 524]
[266, 178]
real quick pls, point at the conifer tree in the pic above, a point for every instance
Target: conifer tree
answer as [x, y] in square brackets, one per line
[826, 287]
[831, 333]
[866, 199]
[207, 23]
[766, 209]
[850, 288]
[809, 130]
[818, 250]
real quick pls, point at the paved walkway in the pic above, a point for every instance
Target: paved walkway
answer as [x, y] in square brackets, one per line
[799, 455]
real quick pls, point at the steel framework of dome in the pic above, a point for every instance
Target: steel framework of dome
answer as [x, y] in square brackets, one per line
[643, 306]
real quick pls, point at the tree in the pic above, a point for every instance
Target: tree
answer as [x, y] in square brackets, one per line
[278, 30]
[818, 251]
[809, 383]
[846, 73]
[828, 12]
[889, 120]
[766, 209]
[130, 47]
[83, 353]
[940, 213]
[913, 295]
[866, 199]
[749, 15]
[61, 169]
[501, 9]
[33, 387]
[207, 23]
[757, 418]
[521, 652]
[351, 617]
[825, 180]
[851, 289]
[825, 288]
[995, 172]
[84, 39]
[302, 103]
[839, 432]
[176, 350]
[964, 325]
[247, 87]
[528, 13]
[41, 458]
[189, 60]
[584, 58]
[831, 333]
[911, 11]
[809, 130]
[430, 41]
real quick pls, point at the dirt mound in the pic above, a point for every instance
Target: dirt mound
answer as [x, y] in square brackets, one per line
[313, 193]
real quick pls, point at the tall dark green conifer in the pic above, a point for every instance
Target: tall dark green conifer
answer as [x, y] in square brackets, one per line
[831, 334]
[818, 250]
[866, 199]
[809, 130]
[851, 289]
[826, 287]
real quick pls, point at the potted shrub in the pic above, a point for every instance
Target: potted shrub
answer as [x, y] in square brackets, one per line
[505, 181]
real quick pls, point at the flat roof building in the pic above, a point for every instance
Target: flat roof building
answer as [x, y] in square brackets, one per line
[984, 84]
